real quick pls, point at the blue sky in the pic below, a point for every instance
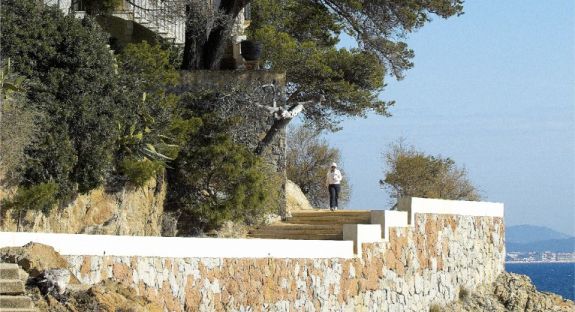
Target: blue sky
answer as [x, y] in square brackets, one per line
[493, 89]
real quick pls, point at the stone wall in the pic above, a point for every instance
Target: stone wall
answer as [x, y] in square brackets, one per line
[419, 265]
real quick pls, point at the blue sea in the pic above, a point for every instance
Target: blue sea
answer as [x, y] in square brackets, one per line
[557, 278]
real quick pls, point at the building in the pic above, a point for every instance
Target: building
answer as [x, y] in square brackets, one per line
[132, 21]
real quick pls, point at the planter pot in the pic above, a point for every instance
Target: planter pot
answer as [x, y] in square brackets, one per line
[251, 50]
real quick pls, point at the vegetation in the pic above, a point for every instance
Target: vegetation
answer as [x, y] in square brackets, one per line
[17, 126]
[216, 179]
[112, 120]
[308, 160]
[413, 173]
[72, 81]
[300, 38]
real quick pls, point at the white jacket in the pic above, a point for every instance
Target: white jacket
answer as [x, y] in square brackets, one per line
[333, 177]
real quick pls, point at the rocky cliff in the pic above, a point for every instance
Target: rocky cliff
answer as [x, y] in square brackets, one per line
[127, 212]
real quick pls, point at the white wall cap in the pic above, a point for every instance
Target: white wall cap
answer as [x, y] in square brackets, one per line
[361, 233]
[180, 247]
[415, 205]
[388, 219]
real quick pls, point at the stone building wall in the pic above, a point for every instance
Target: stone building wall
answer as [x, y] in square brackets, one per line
[420, 265]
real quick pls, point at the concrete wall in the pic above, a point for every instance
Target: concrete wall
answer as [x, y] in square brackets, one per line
[420, 264]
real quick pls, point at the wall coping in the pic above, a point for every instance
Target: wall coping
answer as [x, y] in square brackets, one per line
[180, 247]
[415, 205]
[192, 247]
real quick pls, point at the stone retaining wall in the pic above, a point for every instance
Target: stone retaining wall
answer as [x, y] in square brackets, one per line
[420, 265]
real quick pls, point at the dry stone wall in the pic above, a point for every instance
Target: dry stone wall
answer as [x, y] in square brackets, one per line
[421, 265]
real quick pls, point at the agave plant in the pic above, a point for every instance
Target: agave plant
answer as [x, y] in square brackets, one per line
[10, 82]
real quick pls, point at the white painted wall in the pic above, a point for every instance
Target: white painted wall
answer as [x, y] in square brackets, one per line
[180, 247]
[415, 205]
[388, 219]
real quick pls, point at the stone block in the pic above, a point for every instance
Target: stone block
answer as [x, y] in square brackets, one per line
[9, 271]
[361, 233]
[15, 302]
[388, 219]
[11, 286]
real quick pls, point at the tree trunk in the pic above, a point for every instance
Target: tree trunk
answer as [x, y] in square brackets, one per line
[208, 54]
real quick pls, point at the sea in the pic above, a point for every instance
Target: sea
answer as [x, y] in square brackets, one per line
[557, 278]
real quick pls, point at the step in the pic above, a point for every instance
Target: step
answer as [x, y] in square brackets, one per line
[19, 302]
[11, 286]
[300, 236]
[324, 212]
[9, 271]
[288, 228]
[327, 219]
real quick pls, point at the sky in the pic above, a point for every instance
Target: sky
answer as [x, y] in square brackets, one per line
[493, 89]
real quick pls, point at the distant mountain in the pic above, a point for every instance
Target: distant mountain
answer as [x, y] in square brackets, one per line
[553, 245]
[522, 234]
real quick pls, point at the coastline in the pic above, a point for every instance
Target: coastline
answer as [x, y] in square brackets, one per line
[536, 262]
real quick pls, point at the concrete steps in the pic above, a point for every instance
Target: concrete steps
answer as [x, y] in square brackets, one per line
[331, 217]
[12, 289]
[11, 286]
[313, 225]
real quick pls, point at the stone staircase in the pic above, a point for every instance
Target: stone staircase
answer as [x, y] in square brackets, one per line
[12, 289]
[313, 225]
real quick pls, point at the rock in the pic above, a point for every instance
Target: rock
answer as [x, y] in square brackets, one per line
[124, 212]
[112, 296]
[53, 281]
[34, 258]
[106, 296]
[295, 199]
[511, 292]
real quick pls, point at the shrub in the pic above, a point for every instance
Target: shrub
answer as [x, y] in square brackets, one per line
[435, 308]
[137, 172]
[36, 197]
[72, 80]
[463, 293]
[17, 125]
[413, 173]
[215, 180]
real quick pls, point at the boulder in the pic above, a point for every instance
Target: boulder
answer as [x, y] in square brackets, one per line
[295, 199]
[35, 259]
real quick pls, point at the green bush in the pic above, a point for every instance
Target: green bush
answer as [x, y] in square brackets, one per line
[72, 81]
[137, 172]
[36, 197]
[216, 180]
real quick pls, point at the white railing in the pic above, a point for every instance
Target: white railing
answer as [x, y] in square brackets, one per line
[158, 16]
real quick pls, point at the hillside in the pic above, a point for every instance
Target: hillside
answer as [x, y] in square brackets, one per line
[526, 233]
[553, 245]
[531, 238]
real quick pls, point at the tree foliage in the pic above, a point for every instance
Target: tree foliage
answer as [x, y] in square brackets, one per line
[413, 173]
[300, 37]
[71, 80]
[17, 126]
[151, 126]
[216, 179]
[308, 161]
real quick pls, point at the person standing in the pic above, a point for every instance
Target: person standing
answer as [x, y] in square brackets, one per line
[333, 181]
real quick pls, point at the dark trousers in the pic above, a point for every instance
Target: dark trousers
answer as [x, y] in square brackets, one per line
[333, 195]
